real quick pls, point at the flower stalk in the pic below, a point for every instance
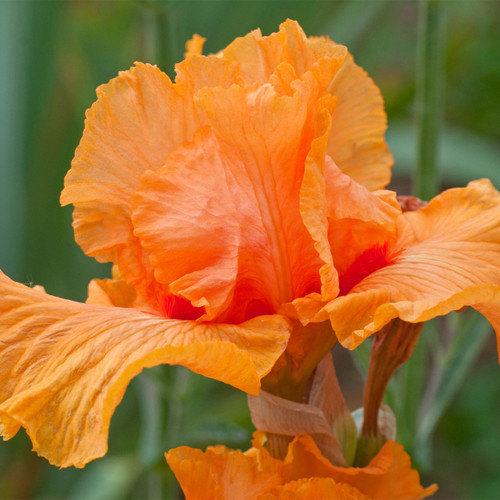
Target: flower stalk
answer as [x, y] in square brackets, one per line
[429, 83]
[392, 346]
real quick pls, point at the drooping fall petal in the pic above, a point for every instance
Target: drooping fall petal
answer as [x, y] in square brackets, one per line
[65, 365]
[445, 257]
[303, 471]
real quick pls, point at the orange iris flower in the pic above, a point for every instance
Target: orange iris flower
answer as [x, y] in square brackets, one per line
[234, 202]
[208, 195]
[223, 474]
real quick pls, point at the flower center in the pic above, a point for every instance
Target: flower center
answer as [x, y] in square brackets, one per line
[174, 307]
[369, 261]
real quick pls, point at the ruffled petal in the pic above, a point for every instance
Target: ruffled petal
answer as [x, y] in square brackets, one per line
[220, 474]
[66, 365]
[388, 475]
[197, 72]
[113, 293]
[314, 489]
[190, 215]
[259, 56]
[347, 198]
[314, 213]
[230, 474]
[140, 118]
[357, 218]
[137, 120]
[446, 257]
[194, 46]
[356, 141]
[222, 219]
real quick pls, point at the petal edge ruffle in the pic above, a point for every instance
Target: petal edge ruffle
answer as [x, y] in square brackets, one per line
[66, 365]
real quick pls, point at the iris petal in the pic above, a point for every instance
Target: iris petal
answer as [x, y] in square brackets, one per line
[446, 258]
[65, 365]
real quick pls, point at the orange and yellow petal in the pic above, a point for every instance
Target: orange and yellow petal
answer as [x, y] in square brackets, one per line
[388, 475]
[275, 87]
[222, 219]
[356, 142]
[194, 46]
[358, 219]
[314, 489]
[197, 72]
[137, 120]
[347, 198]
[190, 215]
[220, 474]
[259, 56]
[113, 293]
[65, 365]
[445, 257]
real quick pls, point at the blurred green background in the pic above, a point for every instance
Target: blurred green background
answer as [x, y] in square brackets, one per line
[53, 54]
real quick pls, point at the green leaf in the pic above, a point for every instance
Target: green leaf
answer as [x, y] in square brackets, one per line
[110, 478]
[456, 364]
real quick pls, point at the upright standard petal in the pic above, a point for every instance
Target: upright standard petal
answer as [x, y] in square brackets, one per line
[222, 219]
[259, 56]
[444, 258]
[65, 365]
[137, 120]
[141, 118]
[359, 122]
[356, 141]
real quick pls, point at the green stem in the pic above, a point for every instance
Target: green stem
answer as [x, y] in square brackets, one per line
[429, 81]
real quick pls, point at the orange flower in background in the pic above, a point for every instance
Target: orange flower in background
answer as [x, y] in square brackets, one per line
[213, 197]
[223, 474]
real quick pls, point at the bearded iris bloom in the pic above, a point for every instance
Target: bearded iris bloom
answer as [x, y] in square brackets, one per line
[242, 205]
[206, 195]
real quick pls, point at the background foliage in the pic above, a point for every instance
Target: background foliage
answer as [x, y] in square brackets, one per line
[53, 55]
